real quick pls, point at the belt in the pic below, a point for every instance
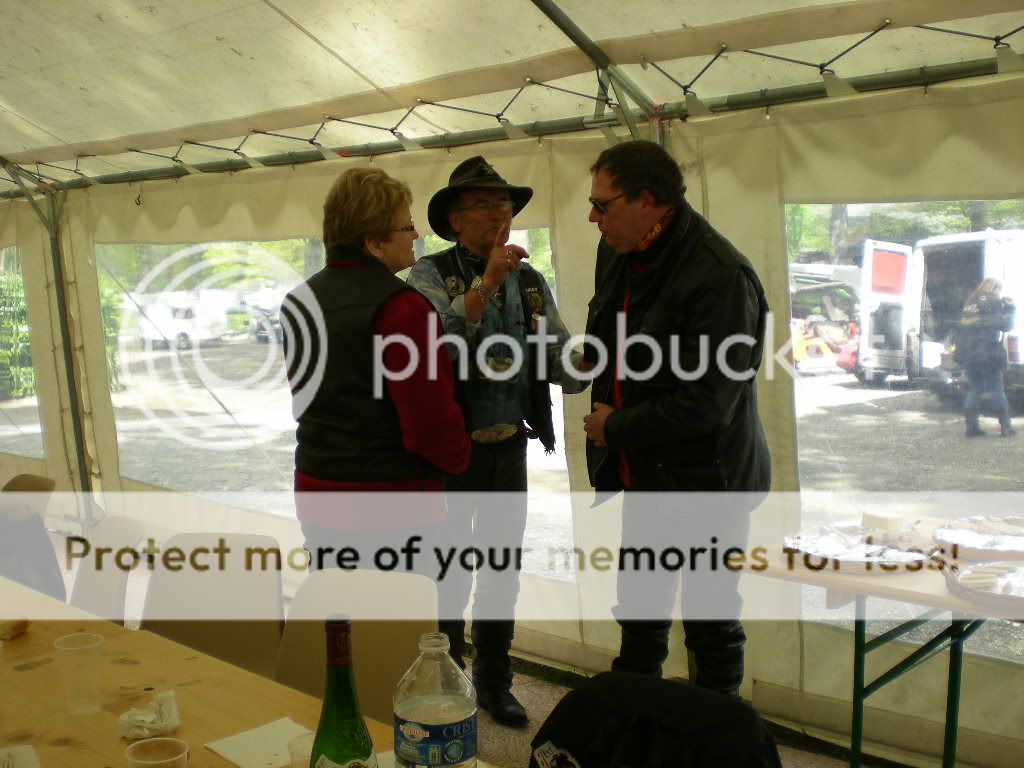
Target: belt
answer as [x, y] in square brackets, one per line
[498, 433]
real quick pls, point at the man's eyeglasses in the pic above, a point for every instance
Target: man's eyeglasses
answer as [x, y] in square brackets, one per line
[410, 227]
[505, 206]
[601, 206]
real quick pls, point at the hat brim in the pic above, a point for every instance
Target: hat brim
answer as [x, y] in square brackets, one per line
[437, 208]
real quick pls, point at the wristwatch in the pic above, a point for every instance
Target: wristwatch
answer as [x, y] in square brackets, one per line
[480, 287]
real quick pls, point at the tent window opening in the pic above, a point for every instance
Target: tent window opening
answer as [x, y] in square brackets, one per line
[20, 428]
[877, 292]
[201, 400]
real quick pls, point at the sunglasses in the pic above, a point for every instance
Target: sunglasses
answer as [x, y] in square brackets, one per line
[601, 206]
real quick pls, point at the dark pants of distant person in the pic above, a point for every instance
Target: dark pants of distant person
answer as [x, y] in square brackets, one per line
[487, 509]
[673, 526]
[982, 380]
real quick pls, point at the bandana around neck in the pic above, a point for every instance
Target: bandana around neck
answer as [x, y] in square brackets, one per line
[655, 233]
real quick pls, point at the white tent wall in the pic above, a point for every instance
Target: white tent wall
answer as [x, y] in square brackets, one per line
[952, 141]
[9, 218]
[24, 230]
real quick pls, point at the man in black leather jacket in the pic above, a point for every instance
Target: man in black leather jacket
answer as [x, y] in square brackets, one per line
[676, 412]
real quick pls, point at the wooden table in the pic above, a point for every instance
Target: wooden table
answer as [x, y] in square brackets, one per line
[215, 699]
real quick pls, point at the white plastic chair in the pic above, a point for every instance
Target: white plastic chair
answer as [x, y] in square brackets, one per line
[382, 649]
[234, 613]
[101, 591]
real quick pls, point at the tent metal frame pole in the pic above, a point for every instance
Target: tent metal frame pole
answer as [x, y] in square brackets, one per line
[922, 76]
[593, 51]
[50, 219]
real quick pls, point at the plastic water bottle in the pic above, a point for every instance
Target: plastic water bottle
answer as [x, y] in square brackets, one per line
[435, 711]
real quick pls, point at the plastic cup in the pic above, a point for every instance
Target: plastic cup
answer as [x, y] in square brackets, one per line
[78, 660]
[300, 750]
[161, 752]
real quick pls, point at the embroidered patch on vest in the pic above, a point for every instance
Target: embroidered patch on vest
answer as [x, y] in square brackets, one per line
[535, 303]
[548, 755]
[454, 286]
[535, 298]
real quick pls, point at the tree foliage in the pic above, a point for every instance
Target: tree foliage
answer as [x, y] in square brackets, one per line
[808, 231]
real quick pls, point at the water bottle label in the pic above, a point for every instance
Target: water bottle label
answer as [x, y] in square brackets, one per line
[326, 762]
[434, 745]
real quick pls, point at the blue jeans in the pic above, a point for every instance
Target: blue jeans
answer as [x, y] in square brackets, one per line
[981, 381]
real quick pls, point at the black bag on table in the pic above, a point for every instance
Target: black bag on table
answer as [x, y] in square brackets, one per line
[625, 720]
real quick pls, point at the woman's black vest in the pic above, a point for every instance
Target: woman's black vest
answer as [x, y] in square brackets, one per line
[347, 433]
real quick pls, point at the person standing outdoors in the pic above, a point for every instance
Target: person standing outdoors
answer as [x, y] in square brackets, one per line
[979, 349]
[682, 316]
[497, 307]
[370, 455]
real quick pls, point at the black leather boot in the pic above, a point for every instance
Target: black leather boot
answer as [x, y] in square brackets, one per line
[644, 647]
[503, 706]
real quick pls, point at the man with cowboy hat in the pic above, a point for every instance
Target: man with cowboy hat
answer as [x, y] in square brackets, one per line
[490, 298]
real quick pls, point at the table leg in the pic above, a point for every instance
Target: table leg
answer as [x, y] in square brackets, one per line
[859, 654]
[956, 658]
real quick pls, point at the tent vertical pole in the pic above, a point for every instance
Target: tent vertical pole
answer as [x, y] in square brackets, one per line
[50, 219]
[52, 224]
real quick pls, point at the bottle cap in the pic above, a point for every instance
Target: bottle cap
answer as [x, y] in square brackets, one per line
[338, 618]
[434, 642]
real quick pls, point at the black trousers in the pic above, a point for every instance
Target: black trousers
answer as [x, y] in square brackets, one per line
[687, 535]
[487, 514]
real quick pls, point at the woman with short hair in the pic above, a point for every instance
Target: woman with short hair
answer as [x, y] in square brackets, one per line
[374, 417]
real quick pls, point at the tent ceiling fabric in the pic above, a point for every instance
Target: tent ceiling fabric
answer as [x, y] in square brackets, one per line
[97, 77]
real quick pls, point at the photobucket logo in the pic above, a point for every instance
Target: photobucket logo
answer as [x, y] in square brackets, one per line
[736, 357]
[211, 366]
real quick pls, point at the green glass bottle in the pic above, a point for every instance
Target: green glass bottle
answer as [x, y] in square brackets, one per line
[341, 740]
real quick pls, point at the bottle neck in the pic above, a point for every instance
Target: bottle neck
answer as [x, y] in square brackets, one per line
[340, 688]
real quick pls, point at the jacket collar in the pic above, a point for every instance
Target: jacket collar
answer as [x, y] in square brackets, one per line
[352, 254]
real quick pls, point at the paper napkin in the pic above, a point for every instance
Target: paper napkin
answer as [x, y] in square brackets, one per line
[158, 718]
[263, 747]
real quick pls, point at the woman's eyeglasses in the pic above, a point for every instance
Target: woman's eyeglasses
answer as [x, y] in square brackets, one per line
[601, 206]
[410, 227]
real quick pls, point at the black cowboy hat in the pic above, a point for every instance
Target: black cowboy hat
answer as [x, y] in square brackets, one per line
[475, 173]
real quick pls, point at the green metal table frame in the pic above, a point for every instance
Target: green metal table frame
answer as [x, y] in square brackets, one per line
[959, 629]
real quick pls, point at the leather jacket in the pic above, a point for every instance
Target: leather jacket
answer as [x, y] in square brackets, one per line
[703, 434]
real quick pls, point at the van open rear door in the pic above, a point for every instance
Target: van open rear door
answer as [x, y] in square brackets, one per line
[884, 316]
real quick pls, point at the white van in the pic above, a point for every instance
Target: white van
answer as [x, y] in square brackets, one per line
[181, 319]
[877, 345]
[945, 270]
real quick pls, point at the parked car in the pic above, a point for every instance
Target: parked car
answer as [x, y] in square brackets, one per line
[821, 319]
[265, 326]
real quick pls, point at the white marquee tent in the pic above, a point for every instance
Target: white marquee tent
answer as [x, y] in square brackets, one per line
[200, 121]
